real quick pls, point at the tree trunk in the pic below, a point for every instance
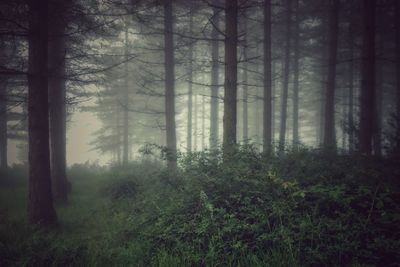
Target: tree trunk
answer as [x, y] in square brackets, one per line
[40, 206]
[3, 125]
[169, 85]
[245, 82]
[368, 78]
[118, 132]
[397, 27]
[329, 129]
[323, 76]
[190, 90]
[214, 81]
[379, 89]
[125, 101]
[57, 99]
[285, 84]
[203, 119]
[267, 114]
[274, 106]
[195, 115]
[350, 119]
[230, 86]
[296, 79]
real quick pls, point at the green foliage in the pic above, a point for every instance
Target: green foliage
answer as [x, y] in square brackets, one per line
[303, 208]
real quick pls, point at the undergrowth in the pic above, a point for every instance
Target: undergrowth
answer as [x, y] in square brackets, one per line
[301, 208]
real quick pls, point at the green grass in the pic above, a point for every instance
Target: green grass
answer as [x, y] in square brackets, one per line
[297, 210]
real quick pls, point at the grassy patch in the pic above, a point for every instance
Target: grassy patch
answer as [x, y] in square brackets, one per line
[300, 209]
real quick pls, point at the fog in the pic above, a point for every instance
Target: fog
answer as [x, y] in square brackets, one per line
[199, 133]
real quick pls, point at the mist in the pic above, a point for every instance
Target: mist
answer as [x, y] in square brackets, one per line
[199, 133]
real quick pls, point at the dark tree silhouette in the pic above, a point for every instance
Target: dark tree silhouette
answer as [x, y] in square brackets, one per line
[169, 84]
[40, 206]
[267, 115]
[230, 85]
[329, 129]
[368, 78]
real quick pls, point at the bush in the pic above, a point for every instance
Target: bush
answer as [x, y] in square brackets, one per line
[302, 208]
[316, 209]
[120, 189]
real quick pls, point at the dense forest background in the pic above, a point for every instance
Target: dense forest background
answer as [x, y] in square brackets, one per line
[232, 133]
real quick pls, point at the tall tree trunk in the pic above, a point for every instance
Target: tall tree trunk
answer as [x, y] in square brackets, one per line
[57, 100]
[379, 89]
[285, 84]
[321, 125]
[125, 101]
[329, 129]
[118, 133]
[344, 113]
[323, 76]
[267, 114]
[190, 90]
[169, 85]
[196, 116]
[257, 135]
[203, 119]
[274, 106]
[230, 86]
[397, 28]
[296, 79]
[3, 124]
[245, 83]
[350, 119]
[40, 205]
[214, 81]
[368, 78]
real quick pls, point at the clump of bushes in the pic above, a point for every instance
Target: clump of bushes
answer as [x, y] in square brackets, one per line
[252, 208]
[302, 208]
[120, 189]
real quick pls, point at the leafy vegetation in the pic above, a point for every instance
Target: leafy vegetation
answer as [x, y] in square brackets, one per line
[303, 208]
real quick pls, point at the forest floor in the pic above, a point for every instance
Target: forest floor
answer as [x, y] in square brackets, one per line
[301, 209]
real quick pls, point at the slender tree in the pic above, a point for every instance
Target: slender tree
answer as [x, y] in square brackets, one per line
[397, 71]
[203, 119]
[40, 205]
[329, 129]
[230, 85]
[350, 119]
[296, 77]
[368, 78]
[286, 72]
[57, 98]
[245, 81]
[267, 115]
[214, 80]
[190, 89]
[125, 102]
[3, 124]
[378, 96]
[169, 84]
